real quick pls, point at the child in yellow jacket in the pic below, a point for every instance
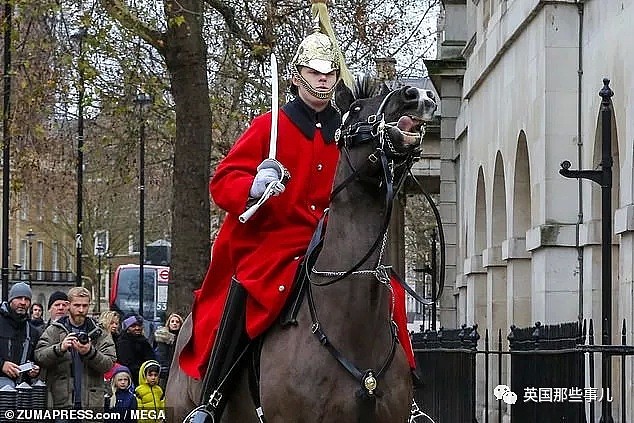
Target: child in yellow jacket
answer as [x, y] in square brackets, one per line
[151, 403]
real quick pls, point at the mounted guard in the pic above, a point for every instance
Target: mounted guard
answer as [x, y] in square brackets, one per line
[275, 185]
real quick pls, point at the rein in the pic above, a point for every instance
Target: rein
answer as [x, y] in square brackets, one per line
[358, 134]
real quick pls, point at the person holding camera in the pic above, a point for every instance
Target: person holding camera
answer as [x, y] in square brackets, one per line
[17, 337]
[76, 353]
[133, 348]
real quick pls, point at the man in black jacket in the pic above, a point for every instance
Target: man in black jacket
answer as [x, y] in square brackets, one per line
[133, 348]
[17, 337]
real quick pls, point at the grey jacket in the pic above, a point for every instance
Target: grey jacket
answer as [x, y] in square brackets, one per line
[58, 365]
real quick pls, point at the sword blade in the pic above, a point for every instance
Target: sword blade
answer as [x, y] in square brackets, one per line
[274, 107]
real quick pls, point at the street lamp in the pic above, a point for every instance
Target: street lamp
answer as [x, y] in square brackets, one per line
[142, 101]
[109, 257]
[6, 143]
[29, 237]
[603, 177]
[77, 39]
[100, 249]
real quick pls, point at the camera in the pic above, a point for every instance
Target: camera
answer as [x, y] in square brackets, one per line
[82, 337]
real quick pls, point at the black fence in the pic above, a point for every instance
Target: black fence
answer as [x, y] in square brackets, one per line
[546, 367]
[41, 276]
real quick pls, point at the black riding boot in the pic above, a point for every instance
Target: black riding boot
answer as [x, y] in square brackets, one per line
[230, 343]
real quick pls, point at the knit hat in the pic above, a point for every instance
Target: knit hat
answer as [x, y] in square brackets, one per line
[56, 296]
[118, 368]
[132, 320]
[152, 366]
[20, 289]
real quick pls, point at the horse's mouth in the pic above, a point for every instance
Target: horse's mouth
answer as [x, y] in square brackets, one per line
[410, 124]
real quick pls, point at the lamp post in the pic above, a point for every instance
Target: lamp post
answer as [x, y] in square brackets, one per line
[100, 249]
[109, 257]
[78, 40]
[142, 101]
[29, 238]
[6, 142]
[603, 177]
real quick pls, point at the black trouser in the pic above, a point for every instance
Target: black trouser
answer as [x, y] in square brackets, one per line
[231, 341]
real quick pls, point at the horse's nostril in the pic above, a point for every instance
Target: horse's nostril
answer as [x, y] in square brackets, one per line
[411, 93]
[430, 94]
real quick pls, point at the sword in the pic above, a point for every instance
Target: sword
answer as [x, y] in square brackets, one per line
[271, 162]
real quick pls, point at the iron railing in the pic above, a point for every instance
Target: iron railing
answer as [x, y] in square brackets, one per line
[41, 276]
[550, 368]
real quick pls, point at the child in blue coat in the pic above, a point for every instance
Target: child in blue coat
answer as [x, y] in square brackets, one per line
[122, 399]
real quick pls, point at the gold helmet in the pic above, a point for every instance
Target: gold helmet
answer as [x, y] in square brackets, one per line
[316, 52]
[320, 51]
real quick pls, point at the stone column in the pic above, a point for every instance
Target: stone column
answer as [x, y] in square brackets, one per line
[555, 284]
[518, 282]
[476, 281]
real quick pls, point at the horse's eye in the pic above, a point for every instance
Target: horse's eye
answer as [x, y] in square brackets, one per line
[357, 109]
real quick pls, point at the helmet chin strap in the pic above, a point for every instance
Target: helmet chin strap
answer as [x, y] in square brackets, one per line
[322, 95]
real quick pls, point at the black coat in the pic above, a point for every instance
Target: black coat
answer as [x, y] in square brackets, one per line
[13, 331]
[132, 351]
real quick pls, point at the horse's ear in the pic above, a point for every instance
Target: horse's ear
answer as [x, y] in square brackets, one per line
[384, 89]
[343, 97]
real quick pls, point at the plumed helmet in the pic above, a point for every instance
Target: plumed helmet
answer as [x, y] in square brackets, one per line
[317, 52]
[320, 51]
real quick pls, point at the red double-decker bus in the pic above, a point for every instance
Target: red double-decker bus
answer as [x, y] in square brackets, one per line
[124, 290]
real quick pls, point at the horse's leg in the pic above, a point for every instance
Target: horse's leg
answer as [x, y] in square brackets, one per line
[182, 393]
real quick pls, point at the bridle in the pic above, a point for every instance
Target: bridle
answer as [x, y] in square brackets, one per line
[373, 130]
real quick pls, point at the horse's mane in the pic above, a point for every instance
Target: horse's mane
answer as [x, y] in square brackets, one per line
[367, 86]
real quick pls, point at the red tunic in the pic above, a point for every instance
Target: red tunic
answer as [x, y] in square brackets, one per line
[264, 252]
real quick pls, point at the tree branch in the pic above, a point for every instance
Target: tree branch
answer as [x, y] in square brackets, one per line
[120, 12]
[228, 15]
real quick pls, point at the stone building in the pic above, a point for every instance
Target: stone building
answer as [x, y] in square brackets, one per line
[519, 83]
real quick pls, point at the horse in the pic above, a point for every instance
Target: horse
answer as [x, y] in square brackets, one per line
[340, 361]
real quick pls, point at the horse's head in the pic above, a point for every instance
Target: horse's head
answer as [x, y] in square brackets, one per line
[378, 122]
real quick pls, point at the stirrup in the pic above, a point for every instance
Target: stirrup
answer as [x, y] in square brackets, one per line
[416, 412]
[200, 414]
[205, 413]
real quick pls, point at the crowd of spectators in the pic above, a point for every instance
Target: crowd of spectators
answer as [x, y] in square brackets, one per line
[86, 361]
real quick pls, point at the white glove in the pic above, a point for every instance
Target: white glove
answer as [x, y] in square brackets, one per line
[263, 178]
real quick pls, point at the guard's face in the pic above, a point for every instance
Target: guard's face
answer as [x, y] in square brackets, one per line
[318, 81]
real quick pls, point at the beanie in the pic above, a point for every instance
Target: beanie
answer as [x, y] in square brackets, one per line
[20, 289]
[132, 320]
[56, 296]
[152, 366]
[119, 368]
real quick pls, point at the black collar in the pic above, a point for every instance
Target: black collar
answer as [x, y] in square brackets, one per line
[306, 119]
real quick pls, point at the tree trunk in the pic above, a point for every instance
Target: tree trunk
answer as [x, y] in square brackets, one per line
[185, 56]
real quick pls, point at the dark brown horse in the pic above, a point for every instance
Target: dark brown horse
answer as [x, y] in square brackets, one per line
[341, 362]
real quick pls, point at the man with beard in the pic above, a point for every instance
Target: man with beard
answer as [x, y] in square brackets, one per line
[17, 336]
[76, 353]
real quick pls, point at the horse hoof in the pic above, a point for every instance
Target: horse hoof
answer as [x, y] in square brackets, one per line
[200, 415]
